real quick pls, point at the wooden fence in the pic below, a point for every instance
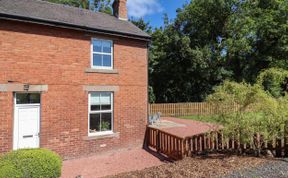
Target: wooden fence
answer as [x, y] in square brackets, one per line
[165, 143]
[176, 147]
[186, 109]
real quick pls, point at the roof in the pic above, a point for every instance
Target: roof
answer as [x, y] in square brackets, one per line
[42, 12]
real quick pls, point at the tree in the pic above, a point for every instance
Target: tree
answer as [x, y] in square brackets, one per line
[185, 53]
[140, 23]
[257, 38]
[214, 40]
[95, 5]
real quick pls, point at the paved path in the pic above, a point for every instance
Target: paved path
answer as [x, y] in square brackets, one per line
[130, 159]
[109, 163]
[271, 169]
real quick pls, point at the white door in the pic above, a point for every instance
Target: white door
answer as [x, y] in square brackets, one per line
[26, 120]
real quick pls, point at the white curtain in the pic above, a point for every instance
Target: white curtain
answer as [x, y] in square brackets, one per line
[100, 98]
[95, 99]
[105, 98]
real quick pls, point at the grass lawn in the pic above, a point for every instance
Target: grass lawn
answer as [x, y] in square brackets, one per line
[216, 119]
[207, 118]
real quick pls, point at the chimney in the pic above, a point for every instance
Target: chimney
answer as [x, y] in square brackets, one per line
[120, 9]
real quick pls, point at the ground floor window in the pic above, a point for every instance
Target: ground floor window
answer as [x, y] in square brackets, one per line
[100, 113]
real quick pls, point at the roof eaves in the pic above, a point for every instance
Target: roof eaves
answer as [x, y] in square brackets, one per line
[72, 26]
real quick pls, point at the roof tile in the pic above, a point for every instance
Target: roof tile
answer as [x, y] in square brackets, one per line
[42, 10]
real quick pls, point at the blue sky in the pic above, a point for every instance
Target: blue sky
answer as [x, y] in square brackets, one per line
[152, 10]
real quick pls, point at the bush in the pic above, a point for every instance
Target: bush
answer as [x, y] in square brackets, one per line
[274, 81]
[38, 163]
[257, 112]
[8, 169]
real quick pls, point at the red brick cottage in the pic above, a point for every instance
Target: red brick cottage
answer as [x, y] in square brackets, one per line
[71, 80]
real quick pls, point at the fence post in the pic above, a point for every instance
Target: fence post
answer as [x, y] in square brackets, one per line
[147, 138]
[183, 148]
[157, 141]
[286, 139]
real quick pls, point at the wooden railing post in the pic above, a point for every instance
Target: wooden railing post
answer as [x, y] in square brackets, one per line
[286, 139]
[147, 138]
[183, 145]
[157, 141]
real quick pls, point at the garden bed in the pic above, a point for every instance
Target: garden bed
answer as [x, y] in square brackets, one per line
[202, 166]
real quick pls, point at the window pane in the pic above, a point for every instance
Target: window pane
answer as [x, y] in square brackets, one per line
[97, 60]
[105, 107]
[107, 46]
[95, 108]
[107, 60]
[97, 46]
[27, 98]
[106, 122]
[95, 101]
[95, 98]
[94, 123]
[105, 98]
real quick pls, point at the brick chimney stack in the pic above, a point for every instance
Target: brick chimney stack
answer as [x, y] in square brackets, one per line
[120, 9]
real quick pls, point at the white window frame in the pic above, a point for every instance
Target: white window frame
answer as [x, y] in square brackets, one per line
[101, 53]
[104, 111]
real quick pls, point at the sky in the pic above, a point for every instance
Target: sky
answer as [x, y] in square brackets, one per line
[152, 10]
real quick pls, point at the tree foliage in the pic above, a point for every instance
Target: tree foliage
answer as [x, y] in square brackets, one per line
[95, 5]
[140, 23]
[214, 40]
[275, 81]
[257, 37]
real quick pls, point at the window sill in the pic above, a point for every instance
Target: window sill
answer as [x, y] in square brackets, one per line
[97, 137]
[104, 71]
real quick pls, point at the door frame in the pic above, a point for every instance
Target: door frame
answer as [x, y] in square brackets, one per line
[16, 120]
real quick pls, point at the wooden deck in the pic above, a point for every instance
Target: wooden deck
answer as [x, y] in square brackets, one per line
[178, 138]
[184, 127]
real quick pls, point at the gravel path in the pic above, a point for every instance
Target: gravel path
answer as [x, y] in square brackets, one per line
[271, 169]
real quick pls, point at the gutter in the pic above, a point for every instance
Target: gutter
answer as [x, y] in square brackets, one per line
[72, 26]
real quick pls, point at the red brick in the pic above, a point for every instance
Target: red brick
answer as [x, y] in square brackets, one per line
[56, 57]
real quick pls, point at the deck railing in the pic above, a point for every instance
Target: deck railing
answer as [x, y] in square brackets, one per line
[165, 143]
[177, 148]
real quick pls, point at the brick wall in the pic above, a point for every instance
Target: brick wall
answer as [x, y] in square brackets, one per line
[58, 58]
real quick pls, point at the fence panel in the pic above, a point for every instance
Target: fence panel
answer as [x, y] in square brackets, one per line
[185, 109]
[176, 147]
[166, 143]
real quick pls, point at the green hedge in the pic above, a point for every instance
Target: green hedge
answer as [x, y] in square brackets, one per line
[30, 163]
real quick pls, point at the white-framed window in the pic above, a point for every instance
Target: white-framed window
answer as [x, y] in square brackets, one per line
[100, 113]
[102, 54]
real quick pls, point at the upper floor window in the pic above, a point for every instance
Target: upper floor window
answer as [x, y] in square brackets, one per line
[102, 54]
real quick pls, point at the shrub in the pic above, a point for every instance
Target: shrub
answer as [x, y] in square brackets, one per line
[257, 112]
[8, 169]
[274, 80]
[38, 163]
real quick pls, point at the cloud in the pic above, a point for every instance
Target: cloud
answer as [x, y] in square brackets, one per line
[141, 8]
